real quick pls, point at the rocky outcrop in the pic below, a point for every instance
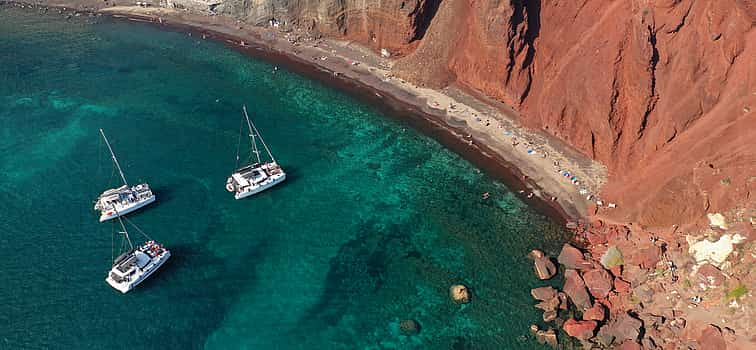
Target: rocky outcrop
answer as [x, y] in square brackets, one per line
[575, 289]
[599, 282]
[543, 293]
[579, 329]
[596, 313]
[572, 258]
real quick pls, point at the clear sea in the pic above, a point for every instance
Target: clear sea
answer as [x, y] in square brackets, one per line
[374, 223]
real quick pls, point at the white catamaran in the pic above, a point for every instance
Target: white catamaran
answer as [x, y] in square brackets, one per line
[136, 264]
[256, 177]
[122, 200]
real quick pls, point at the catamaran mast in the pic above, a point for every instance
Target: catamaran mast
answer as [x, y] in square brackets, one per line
[252, 126]
[125, 233]
[252, 134]
[112, 155]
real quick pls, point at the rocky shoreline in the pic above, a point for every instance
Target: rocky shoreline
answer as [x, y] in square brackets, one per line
[629, 288]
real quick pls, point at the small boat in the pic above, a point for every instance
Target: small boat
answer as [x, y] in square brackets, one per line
[135, 265]
[122, 200]
[257, 176]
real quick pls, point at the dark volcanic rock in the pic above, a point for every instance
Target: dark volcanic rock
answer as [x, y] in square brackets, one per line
[599, 282]
[575, 289]
[572, 258]
[579, 329]
[543, 293]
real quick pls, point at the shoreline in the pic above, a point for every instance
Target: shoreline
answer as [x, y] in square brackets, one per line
[447, 116]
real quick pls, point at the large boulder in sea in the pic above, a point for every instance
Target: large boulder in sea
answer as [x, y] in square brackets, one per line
[545, 336]
[572, 258]
[460, 294]
[575, 289]
[543, 293]
[542, 264]
[599, 282]
[579, 329]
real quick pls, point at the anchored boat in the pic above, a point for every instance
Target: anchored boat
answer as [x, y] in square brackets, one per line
[137, 263]
[119, 201]
[257, 176]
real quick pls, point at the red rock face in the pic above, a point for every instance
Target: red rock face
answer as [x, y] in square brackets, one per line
[661, 92]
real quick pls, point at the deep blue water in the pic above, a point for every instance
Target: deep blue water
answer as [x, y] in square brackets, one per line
[373, 225]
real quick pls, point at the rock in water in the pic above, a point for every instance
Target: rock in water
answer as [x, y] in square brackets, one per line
[547, 337]
[612, 257]
[575, 289]
[599, 282]
[543, 293]
[579, 329]
[460, 294]
[542, 264]
[544, 268]
[550, 315]
[572, 258]
[409, 327]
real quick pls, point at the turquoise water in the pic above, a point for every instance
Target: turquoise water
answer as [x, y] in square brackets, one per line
[373, 225]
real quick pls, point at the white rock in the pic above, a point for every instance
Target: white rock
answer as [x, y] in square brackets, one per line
[713, 252]
[717, 220]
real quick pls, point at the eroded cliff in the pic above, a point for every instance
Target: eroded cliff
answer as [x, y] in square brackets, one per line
[661, 92]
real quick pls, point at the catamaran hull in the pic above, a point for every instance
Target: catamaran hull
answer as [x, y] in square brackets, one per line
[112, 214]
[124, 287]
[263, 187]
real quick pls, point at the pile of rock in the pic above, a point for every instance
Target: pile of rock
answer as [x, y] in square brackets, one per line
[636, 289]
[591, 289]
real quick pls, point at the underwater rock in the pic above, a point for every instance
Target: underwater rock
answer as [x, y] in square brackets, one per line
[409, 327]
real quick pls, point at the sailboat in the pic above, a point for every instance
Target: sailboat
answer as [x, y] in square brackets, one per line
[119, 201]
[136, 264]
[258, 176]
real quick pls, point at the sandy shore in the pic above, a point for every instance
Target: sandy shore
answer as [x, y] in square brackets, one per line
[544, 171]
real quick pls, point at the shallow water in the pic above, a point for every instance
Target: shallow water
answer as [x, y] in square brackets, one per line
[372, 226]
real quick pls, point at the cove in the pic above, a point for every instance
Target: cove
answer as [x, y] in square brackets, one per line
[374, 223]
